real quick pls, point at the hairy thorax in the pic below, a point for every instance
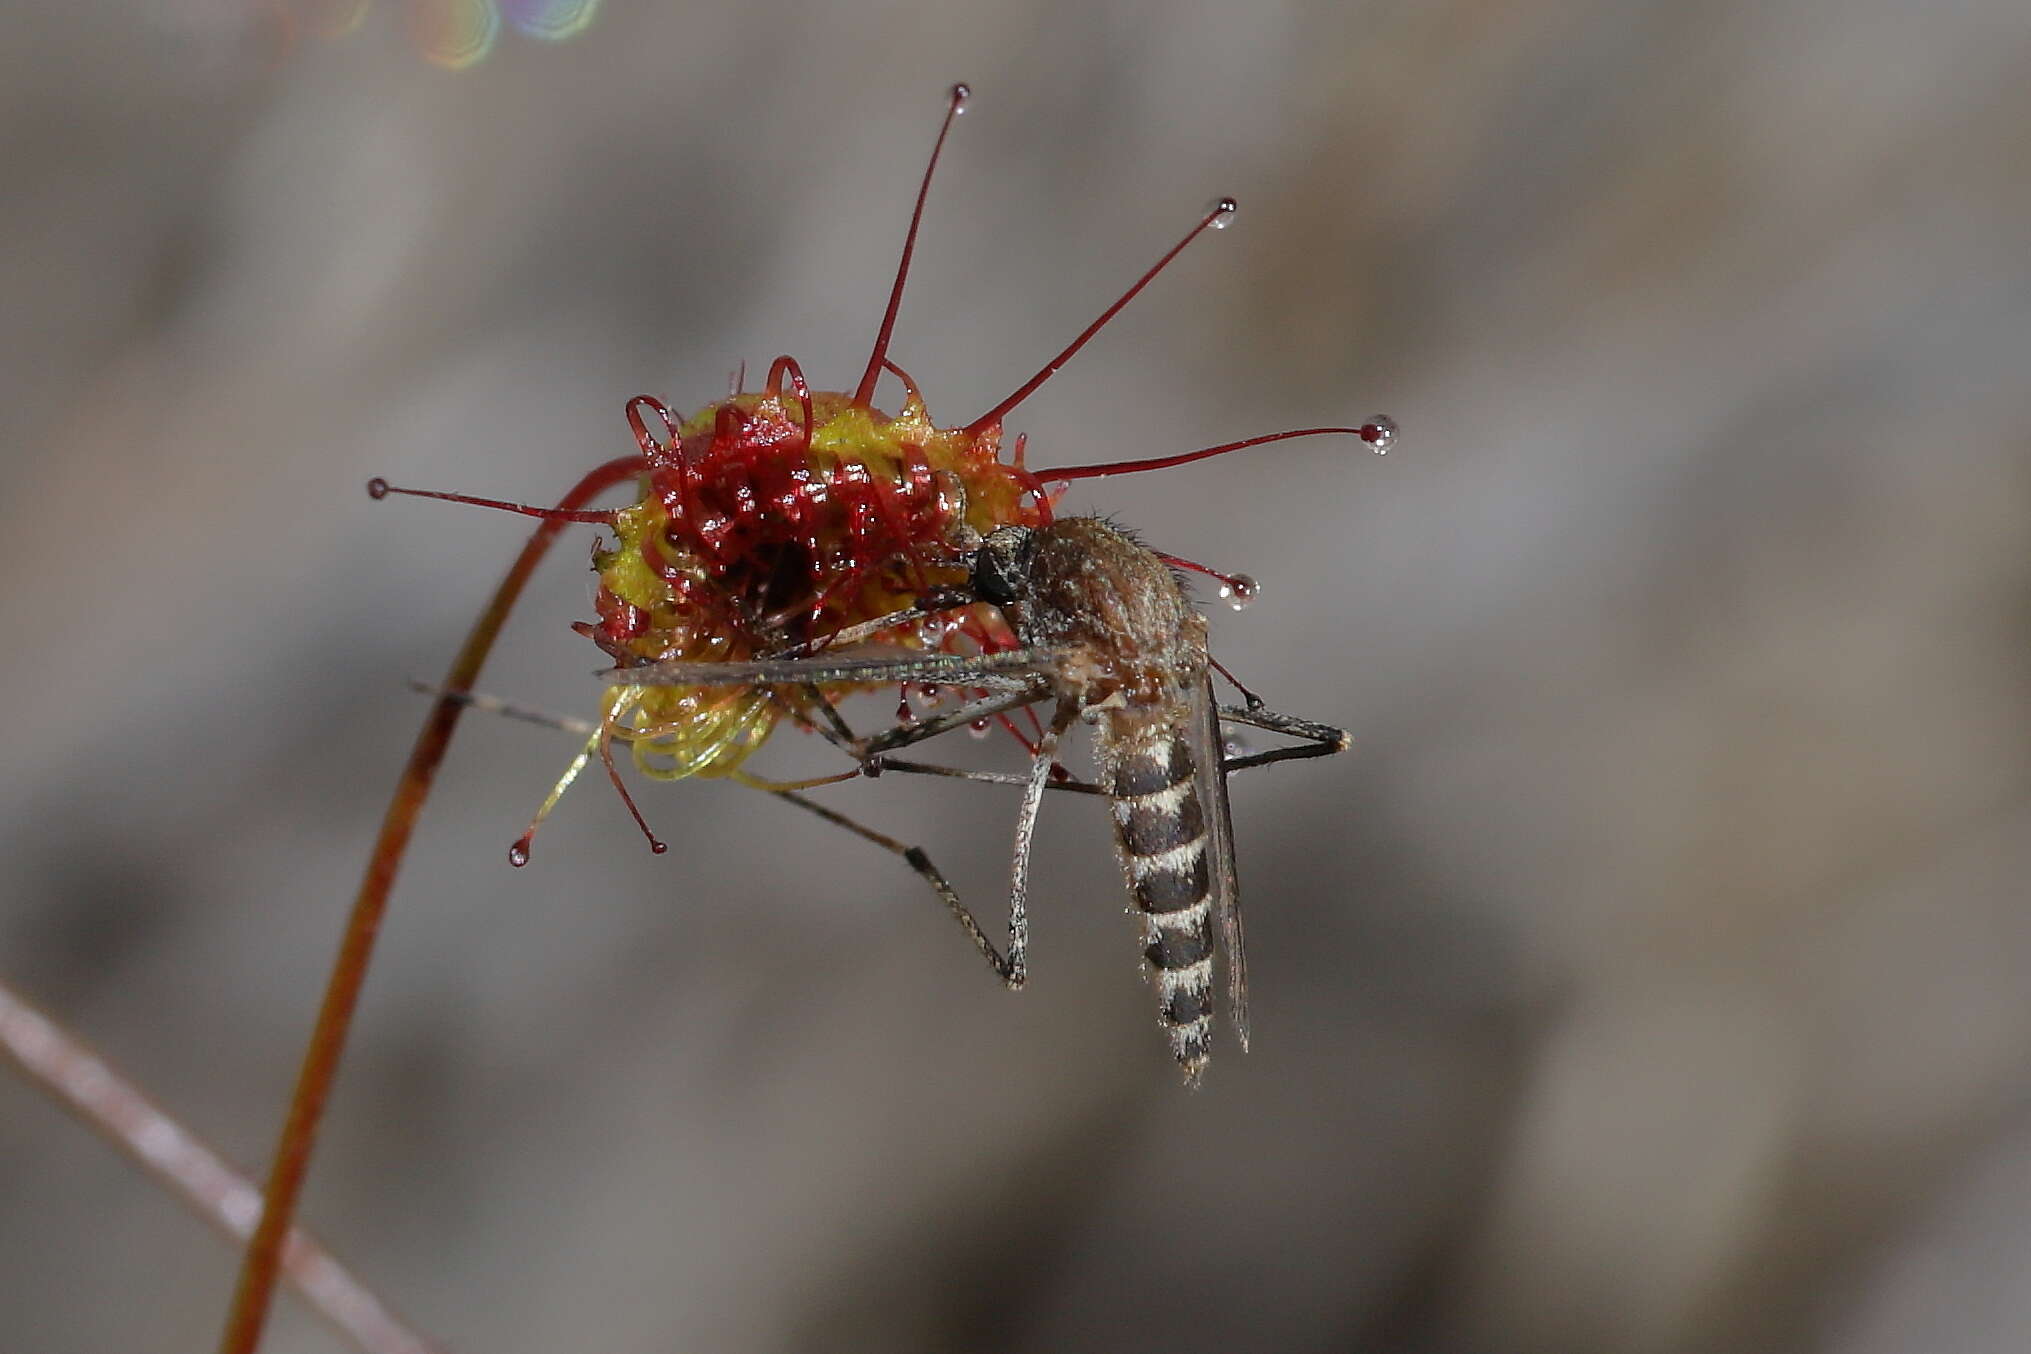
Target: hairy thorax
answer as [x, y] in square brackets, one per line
[1128, 635]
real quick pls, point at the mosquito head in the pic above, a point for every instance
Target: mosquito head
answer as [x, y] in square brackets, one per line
[1001, 567]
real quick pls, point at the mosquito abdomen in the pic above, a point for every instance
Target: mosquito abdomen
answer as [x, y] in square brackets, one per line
[1160, 830]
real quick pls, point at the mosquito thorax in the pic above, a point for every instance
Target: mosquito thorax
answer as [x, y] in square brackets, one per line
[1088, 588]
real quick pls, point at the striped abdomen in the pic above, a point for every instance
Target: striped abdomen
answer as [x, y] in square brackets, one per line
[1161, 833]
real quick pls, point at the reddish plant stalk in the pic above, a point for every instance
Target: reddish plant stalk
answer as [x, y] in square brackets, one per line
[349, 970]
[1217, 216]
[91, 1088]
[864, 392]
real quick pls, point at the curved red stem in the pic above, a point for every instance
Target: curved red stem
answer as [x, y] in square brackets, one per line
[864, 392]
[606, 755]
[787, 366]
[1236, 582]
[1366, 432]
[349, 970]
[1222, 208]
[651, 448]
[380, 488]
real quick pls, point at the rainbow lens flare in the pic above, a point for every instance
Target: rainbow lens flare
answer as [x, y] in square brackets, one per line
[550, 20]
[455, 34]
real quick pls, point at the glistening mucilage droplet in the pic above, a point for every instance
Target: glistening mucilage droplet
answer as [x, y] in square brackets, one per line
[1379, 432]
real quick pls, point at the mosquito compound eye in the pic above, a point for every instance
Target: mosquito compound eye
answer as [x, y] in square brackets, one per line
[991, 579]
[1001, 566]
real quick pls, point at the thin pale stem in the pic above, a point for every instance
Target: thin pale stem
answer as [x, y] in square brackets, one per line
[349, 970]
[90, 1088]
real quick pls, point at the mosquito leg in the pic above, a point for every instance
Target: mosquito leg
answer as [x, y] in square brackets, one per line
[1012, 968]
[1026, 830]
[840, 734]
[835, 731]
[494, 705]
[832, 726]
[936, 602]
[1008, 969]
[903, 735]
[1320, 740]
[754, 782]
[985, 777]
[829, 726]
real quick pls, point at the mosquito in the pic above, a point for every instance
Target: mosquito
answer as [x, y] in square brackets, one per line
[1108, 636]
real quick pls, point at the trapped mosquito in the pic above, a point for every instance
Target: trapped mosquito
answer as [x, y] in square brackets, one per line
[1108, 637]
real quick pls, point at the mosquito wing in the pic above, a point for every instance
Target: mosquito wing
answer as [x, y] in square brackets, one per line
[1011, 670]
[1211, 774]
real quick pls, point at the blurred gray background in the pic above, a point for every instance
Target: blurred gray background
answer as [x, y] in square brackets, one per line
[1651, 977]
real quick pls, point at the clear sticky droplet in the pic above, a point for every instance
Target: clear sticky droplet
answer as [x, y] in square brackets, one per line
[1220, 212]
[979, 728]
[1233, 744]
[518, 854]
[1379, 433]
[961, 93]
[377, 487]
[1238, 590]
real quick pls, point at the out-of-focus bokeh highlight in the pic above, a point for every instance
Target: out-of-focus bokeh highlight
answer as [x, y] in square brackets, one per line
[1650, 979]
[454, 34]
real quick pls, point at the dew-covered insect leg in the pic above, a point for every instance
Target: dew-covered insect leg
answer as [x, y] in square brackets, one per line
[1007, 968]
[1320, 740]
